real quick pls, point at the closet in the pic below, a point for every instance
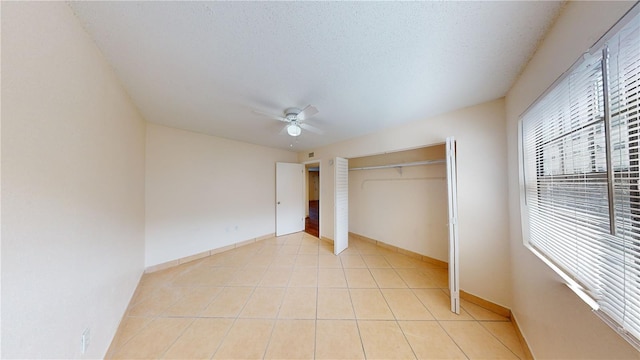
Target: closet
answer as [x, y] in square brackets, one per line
[400, 199]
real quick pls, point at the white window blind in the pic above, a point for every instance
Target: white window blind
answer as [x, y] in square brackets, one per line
[581, 166]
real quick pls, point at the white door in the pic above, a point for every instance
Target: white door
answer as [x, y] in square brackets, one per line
[289, 198]
[454, 285]
[341, 206]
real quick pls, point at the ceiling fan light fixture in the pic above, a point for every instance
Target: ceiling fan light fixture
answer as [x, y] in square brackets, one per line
[294, 129]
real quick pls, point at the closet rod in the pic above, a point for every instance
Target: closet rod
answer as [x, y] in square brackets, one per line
[428, 162]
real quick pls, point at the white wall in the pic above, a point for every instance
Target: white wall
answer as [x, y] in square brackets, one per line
[406, 209]
[72, 187]
[205, 192]
[482, 200]
[555, 322]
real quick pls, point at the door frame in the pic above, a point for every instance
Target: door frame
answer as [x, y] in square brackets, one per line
[319, 162]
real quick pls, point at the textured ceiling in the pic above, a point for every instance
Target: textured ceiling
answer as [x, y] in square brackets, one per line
[366, 66]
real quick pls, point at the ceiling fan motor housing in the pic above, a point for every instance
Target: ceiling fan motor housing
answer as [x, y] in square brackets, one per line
[292, 113]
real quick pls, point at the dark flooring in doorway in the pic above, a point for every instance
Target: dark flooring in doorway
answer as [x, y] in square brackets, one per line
[312, 221]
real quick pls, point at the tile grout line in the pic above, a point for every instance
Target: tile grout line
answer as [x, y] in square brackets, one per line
[395, 317]
[452, 339]
[479, 322]
[353, 308]
[235, 320]
[177, 337]
[499, 340]
[438, 320]
[275, 321]
[117, 350]
[241, 261]
[199, 316]
[154, 318]
[393, 268]
[413, 291]
[193, 319]
[273, 329]
[222, 340]
[315, 321]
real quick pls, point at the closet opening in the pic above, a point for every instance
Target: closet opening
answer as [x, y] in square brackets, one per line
[400, 200]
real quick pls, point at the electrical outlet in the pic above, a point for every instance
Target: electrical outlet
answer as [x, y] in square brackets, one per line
[86, 339]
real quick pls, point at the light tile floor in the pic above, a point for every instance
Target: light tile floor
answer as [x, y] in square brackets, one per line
[291, 298]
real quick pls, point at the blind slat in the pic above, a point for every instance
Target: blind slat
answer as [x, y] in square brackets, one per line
[571, 149]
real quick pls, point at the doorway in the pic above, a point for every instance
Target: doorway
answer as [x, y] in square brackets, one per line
[312, 199]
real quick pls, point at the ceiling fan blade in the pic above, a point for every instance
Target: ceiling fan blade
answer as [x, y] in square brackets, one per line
[275, 117]
[284, 129]
[307, 112]
[312, 129]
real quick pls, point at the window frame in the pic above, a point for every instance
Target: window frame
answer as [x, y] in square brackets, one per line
[611, 173]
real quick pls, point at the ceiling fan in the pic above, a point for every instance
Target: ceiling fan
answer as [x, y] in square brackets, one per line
[295, 119]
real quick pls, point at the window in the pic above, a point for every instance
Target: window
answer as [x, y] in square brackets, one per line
[581, 167]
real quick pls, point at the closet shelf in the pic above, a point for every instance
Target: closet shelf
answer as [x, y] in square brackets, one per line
[390, 166]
